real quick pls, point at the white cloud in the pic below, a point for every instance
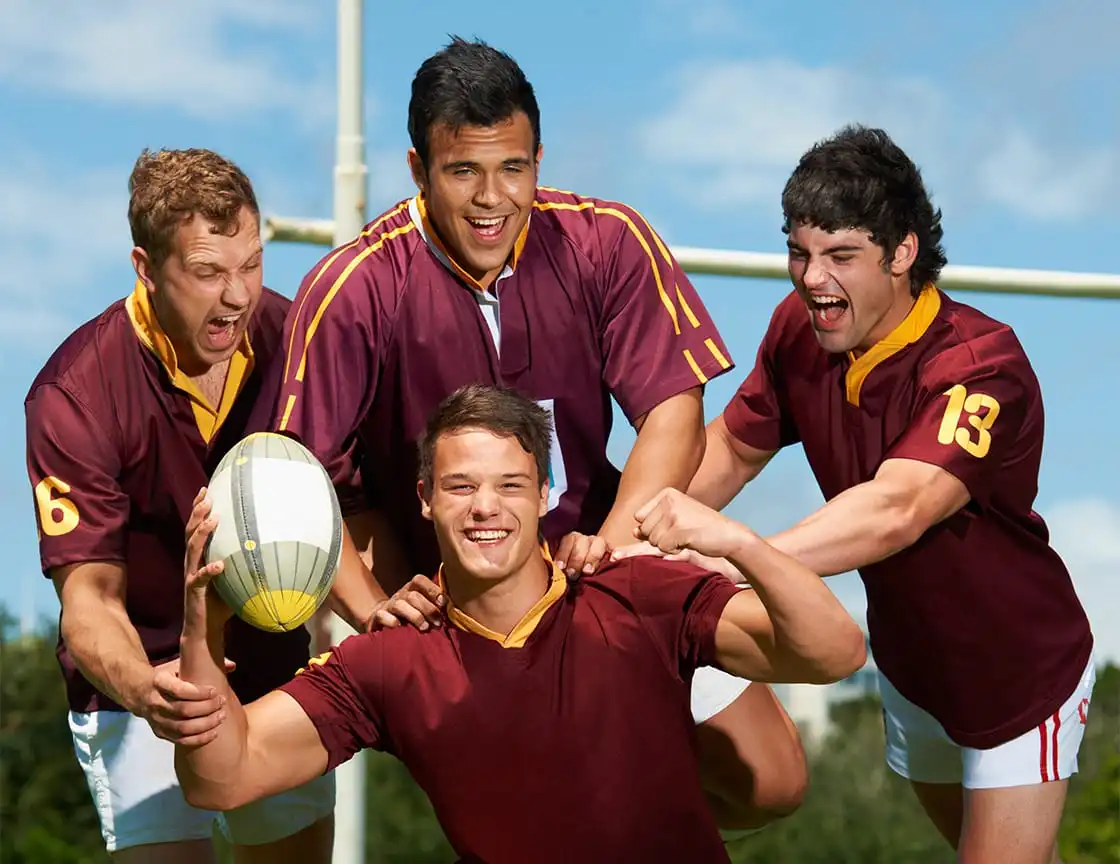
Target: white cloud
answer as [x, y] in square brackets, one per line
[58, 233]
[1045, 184]
[736, 129]
[1086, 533]
[178, 55]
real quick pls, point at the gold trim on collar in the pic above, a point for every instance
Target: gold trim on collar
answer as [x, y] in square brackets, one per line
[151, 334]
[912, 328]
[433, 238]
[524, 628]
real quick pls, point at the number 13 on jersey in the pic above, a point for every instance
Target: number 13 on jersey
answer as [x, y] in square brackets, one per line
[981, 411]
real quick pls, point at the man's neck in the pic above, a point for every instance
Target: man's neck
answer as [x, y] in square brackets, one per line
[894, 316]
[500, 605]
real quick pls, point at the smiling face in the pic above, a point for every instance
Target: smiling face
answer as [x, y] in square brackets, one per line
[479, 187]
[205, 292]
[486, 502]
[853, 297]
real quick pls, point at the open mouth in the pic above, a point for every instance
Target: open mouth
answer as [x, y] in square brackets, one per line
[487, 536]
[489, 228]
[827, 309]
[222, 330]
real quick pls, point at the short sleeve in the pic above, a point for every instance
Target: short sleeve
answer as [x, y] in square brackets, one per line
[81, 511]
[658, 338]
[340, 691]
[680, 606]
[968, 420]
[755, 415]
[326, 381]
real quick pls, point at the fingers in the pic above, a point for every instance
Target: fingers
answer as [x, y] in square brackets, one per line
[633, 550]
[194, 731]
[170, 687]
[197, 537]
[587, 553]
[647, 508]
[565, 549]
[228, 665]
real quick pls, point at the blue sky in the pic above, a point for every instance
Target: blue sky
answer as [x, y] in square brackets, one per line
[693, 112]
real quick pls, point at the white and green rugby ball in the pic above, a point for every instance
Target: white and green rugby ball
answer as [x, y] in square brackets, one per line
[279, 531]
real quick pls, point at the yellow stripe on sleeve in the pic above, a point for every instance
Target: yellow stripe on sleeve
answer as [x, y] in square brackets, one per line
[326, 266]
[695, 366]
[666, 300]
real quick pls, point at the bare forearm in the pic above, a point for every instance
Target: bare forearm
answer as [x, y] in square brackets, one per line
[814, 637]
[860, 526]
[667, 452]
[726, 467]
[107, 650]
[355, 592]
[209, 774]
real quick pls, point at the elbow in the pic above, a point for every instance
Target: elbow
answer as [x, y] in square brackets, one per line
[847, 656]
[205, 794]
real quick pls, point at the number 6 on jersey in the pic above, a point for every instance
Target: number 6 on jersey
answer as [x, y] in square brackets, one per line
[963, 402]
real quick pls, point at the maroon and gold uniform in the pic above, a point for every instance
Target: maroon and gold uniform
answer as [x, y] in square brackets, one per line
[570, 739]
[119, 441]
[590, 306]
[978, 622]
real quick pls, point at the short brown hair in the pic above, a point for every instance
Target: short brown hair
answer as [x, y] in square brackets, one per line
[169, 187]
[499, 410]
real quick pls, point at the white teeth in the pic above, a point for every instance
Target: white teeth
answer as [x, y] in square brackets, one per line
[827, 301]
[487, 535]
[487, 223]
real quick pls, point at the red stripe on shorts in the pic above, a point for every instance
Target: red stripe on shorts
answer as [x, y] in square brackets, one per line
[1042, 753]
[1054, 741]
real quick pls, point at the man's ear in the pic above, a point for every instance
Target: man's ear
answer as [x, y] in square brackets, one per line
[542, 511]
[417, 170]
[425, 505]
[142, 264]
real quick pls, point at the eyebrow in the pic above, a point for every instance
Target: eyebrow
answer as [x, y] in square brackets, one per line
[467, 163]
[460, 475]
[831, 250]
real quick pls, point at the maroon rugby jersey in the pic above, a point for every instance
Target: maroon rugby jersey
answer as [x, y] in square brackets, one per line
[978, 622]
[570, 739]
[119, 441]
[384, 328]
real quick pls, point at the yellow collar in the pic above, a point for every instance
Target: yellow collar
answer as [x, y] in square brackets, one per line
[433, 241]
[524, 628]
[148, 330]
[912, 328]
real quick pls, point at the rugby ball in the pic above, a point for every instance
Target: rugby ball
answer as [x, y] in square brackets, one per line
[279, 531]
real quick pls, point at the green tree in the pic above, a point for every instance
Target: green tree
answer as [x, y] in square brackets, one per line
[46, 816]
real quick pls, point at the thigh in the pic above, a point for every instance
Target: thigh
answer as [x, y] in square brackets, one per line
[185, 852]
[751, 759]
[312, 845]
[131, 776]
[279, 817]
[1018, 823]
[944, 805]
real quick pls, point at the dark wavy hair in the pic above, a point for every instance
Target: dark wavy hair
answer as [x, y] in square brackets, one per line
[859, 178]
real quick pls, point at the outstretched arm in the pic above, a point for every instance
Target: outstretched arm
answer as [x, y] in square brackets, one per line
[259, 750]
[727, 467]
[876, 519]
[790, 627]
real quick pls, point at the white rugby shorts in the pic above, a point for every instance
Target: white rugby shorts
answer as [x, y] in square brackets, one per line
[131, 776]
[919, 749]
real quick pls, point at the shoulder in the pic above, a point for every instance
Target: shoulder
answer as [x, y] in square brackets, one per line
[80, 364]
[376, 262]
[591, 224]
[970, 344]
[647, 575]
